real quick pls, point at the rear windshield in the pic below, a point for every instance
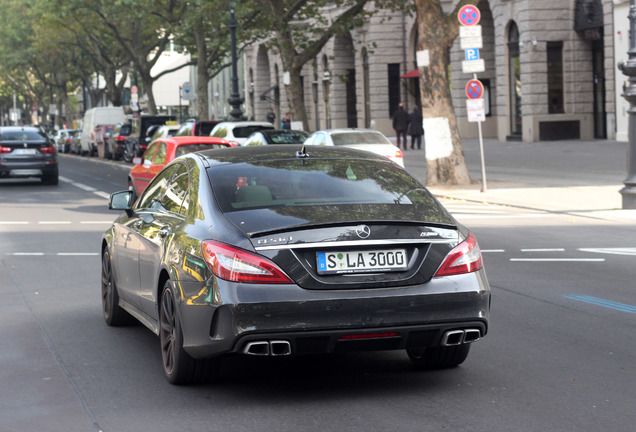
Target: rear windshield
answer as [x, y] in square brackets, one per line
[191, 148]
[287, 137]
[324, 190]
[204, 129]
[245, 131]
[349, 138]
[23, 135]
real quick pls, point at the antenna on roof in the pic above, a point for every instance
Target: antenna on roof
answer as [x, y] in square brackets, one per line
[302, 154]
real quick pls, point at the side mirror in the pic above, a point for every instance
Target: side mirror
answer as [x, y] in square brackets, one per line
[137, 160]
[121, 201]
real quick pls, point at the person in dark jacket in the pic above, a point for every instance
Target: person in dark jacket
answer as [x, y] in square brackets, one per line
[401, 124]
[416, 129]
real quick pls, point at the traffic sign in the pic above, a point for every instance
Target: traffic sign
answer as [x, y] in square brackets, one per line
[469, 15]
[474, 89]
[474, 66]
[187, 92]
[475, 108]
[472, 54]
[470, 32]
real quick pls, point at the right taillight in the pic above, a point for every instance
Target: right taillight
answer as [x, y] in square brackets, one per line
[464, 258]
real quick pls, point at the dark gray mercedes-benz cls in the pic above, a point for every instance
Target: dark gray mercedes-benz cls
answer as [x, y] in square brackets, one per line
[285, 250]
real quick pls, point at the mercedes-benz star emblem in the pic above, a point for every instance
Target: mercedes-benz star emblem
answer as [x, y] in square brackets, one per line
[363, 231]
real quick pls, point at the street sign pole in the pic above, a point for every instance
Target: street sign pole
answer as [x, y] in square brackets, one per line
[484, 187]
[471, 42]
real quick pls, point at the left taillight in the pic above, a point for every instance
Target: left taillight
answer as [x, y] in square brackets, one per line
[464, 258]
[47, 149]
[238, 265]
[5, 149]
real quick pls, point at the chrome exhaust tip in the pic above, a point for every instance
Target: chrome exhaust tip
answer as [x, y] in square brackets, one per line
[453, 337]
[259, 348]
[471, 335]
[279, 348]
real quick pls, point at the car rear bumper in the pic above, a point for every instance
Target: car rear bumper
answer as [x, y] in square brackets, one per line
[28, 169]
[311, 321]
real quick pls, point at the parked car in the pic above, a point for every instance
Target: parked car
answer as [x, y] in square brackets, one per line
[272, 251]
[93, 118]
[363, 139]
[136, 141]
[27, 151]
[275, 136]
[163, 151]
[163, 131]
[237, 132]
[193, 127]
[63, 139]
[117, 141]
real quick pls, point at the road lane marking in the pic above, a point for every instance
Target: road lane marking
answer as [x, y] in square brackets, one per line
[100, 194]
[557, 259]
[54, 222]
[544, 250]
[612, 251]
[13, 222]
[604, 303]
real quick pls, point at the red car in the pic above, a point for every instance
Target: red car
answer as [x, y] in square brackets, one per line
[164, 150]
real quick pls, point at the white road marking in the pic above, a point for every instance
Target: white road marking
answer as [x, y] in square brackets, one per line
[86, 188]
[54, 222]
[543, 250]
[557, 259]
[612, 251]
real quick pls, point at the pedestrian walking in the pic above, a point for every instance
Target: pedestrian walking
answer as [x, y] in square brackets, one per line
[286, 122]
[271, 117]
[416, 129]
[400, 124]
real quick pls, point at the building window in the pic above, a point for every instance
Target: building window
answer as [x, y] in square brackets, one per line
[555, 77]
[394, 87]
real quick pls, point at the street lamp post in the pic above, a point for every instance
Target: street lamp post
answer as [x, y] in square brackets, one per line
[235, 99]
[629, 69]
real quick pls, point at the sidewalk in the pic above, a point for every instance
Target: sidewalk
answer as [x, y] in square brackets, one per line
[570, 176]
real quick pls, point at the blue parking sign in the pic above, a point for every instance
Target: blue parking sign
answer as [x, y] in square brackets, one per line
[472, 54]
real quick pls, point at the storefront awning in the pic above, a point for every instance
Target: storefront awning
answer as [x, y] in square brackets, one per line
[413, 74]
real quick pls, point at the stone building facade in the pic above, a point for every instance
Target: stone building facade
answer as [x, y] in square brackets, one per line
[550, 72]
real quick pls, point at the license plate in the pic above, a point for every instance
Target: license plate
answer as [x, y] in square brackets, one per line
[24, 151]
[361, 261]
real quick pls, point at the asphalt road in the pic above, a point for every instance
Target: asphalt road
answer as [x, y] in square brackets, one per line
[559, 355]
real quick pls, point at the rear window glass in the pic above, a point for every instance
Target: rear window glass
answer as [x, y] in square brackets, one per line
[245, 131]
[325, 182]
[23, 135]
[204, 129]
[348, 138]
[190, 148]
[287, 138]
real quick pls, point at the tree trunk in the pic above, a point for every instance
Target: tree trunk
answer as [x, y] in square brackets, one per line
[445, 162]
[203, 76]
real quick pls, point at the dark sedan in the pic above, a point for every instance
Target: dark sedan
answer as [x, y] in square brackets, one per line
[276, 251]
[26, 151]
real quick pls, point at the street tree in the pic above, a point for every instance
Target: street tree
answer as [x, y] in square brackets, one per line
[299, 29]
[445, 162]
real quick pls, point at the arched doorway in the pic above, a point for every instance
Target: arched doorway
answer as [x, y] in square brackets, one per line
[514, 83]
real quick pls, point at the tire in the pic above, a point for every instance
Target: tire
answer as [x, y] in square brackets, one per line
[441, 357]
[51, 180]
[114, 315]
[179, 367]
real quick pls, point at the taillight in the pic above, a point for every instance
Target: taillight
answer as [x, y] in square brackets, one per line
[47, 149]
[238, 265]
[398, 154]
[5, 149]
[464, 258]
[120, 138]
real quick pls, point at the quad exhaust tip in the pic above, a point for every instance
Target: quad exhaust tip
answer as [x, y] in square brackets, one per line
[268, 348]
[458, 337]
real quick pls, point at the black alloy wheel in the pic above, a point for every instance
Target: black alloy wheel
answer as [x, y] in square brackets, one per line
[441, 357]
[178, 366]
[114, 315]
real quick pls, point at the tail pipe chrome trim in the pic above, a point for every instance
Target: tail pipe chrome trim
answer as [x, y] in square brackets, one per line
[268, 348]
[458, 337]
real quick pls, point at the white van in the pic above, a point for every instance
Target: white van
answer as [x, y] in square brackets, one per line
[95, 117]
